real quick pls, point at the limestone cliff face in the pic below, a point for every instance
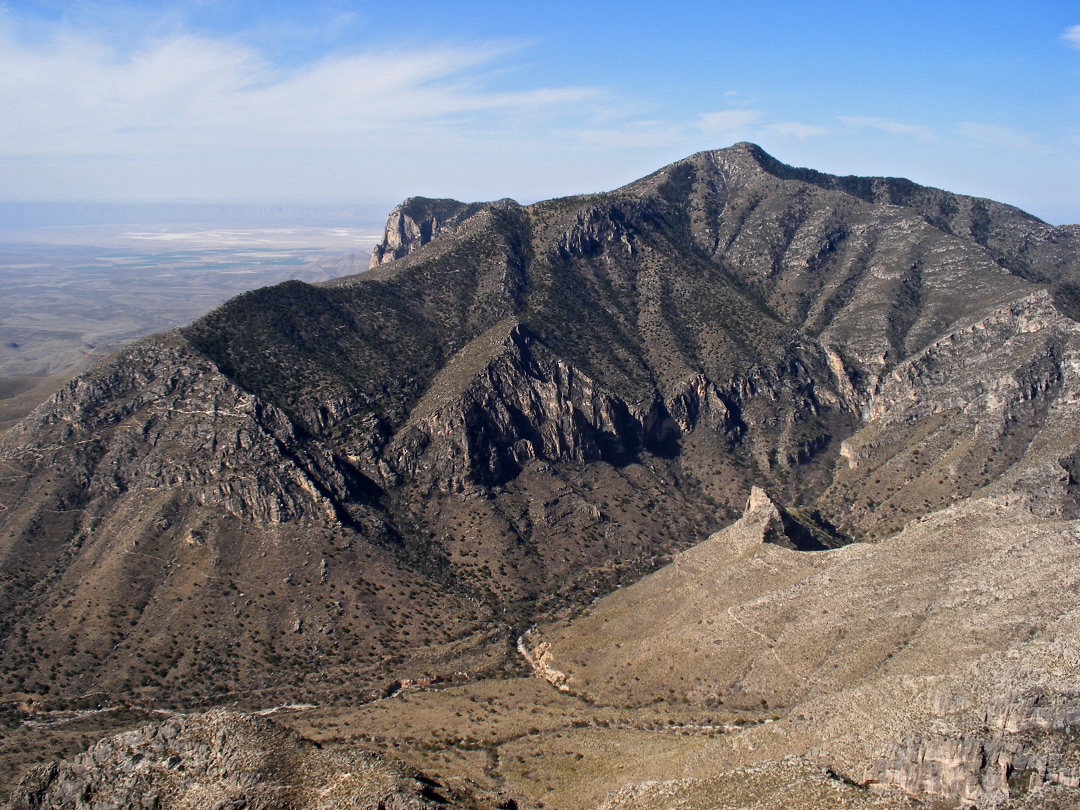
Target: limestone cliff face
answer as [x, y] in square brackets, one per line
[987, 407]
[1019, 340]
[403, 234]
[795, 402]
[417, 221]
[478, 423]
[1026, 747]
[597, 227]
[507, 399]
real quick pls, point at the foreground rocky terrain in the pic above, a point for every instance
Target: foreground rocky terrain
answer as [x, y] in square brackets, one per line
[938, 660]
[394, 496]
[222, 759]
[938, 664]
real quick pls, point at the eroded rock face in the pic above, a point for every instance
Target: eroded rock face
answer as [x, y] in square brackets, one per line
[537, 654]
[417, 221]
[224, 759]
[158, 416]
[987, 407]
[521, 404]
[598, 227]
[1026, 746]
[404, 234]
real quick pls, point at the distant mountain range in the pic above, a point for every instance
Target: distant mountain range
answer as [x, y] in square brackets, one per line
[410, 476]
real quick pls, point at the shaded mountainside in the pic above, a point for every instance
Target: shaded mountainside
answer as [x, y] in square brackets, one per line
[318, 489]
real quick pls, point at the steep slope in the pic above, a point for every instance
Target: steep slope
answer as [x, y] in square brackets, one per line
[159, 500]
[321, 489]
[985, 409]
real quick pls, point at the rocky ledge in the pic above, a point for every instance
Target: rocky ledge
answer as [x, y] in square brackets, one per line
[1027, 753]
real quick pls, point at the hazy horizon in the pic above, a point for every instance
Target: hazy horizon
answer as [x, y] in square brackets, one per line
[232, 100]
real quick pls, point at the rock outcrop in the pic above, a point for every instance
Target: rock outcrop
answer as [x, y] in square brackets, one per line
[987, 408]
[225, 759]
[158, 416]
[1026, 749]
[417, 221]
[538, 655]
[504, 401]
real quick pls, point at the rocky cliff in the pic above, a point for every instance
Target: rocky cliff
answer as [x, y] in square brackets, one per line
[1027, 752]
[417, 221]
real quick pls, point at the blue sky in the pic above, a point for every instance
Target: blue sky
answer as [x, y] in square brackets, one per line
[333, 101]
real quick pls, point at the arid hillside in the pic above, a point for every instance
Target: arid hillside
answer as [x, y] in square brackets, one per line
[424, 474]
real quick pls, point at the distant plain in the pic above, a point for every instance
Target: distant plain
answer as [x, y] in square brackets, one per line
[71, 294]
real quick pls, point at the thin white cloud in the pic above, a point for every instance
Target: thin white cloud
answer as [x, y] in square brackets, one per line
[885, 125]
[634, 135]
[796, 129]
[723, 121]
[72, 95]
[1071, 37]
[1000, 136]
[658, 133]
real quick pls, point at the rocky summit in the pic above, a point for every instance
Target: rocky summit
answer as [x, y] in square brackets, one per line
[742, 485]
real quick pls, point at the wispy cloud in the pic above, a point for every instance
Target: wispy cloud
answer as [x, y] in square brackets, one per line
[796, 129]
[76, 95]
[723, 121]
[632, 134]
[885, 125]
[720, 124]
[1071, 37]
[1000, 136]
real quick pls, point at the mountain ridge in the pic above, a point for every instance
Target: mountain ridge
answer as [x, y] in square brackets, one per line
[527, 407]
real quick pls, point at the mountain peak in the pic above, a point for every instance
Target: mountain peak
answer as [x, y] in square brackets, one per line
[748, 150]
[787, 527]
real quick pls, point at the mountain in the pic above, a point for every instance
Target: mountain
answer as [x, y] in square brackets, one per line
[321, 492]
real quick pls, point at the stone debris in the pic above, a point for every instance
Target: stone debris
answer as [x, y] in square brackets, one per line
[225, 759]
